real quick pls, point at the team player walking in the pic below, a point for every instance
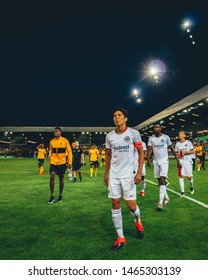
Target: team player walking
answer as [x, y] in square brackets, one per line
[120, 176]
[158, 144]
[124, 167]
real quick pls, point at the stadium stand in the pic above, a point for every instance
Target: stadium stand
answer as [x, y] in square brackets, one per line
[189, 114]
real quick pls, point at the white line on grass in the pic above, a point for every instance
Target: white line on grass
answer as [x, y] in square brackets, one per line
[187, 197]
[17, 172]
[27, 172]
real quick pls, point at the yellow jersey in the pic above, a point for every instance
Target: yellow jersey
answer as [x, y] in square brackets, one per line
[93, 154]
[199, 151]
[41, 153]
[59, 149]
[103, 154]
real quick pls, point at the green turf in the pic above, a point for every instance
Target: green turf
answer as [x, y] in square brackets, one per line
[80, 228]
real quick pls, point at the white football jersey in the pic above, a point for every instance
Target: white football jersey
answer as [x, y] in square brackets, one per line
[122, 148]
[160, 147]
[185, 146]
[193, 156]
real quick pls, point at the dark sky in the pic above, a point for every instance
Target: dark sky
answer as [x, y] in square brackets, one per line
[69, 63]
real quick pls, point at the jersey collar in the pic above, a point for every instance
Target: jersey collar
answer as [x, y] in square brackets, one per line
[122, 132]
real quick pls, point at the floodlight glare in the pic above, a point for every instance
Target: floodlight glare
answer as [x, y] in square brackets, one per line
[187, 23]
[139, 100]
[153, 71]
[135, 91]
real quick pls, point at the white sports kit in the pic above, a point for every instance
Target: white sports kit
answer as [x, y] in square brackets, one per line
[160, 154]
[185, 160]
[122, 168]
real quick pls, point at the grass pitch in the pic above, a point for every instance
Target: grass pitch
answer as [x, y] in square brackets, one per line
[80, 227]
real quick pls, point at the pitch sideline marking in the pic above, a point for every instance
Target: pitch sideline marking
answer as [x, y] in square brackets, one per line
[153, 183]
[187, 197]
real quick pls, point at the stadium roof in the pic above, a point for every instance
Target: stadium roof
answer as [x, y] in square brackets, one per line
[190, 103]
[189, 114]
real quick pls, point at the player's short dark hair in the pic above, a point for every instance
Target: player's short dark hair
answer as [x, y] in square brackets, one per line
[157, 124]
[124, 111]
[182, 131]
[58, 128]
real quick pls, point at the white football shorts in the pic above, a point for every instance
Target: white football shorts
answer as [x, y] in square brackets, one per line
[161, 169]
[122, 187]
[187, 170]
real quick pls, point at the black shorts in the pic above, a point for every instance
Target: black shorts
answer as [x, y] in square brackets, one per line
[76, 165]
[94, 163]
[40, 161]
[58, 169]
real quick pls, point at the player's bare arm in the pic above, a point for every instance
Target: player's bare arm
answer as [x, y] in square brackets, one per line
[188, 152]
[107, 167]
[138, 176]
[175, 155]
[149, 153]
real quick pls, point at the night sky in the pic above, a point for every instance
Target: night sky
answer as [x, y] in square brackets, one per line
[70, 63]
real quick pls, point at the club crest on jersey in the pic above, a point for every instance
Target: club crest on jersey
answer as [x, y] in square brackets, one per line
[162, 140]
[127, 139]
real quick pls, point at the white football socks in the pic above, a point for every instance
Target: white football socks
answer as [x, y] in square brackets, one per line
[162, 194]
[136, 214]
[143, 186]
[191, 183]
[181, 183]
[118, 221]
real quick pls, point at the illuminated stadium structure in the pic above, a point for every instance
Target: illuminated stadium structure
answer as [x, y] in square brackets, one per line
[189, 114]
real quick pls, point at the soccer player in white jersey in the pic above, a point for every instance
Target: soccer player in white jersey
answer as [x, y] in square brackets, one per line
[159, 144]
[184, 149]
[120, 174]
[143, 182]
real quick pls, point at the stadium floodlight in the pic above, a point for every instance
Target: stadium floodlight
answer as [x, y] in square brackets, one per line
[139, 100]
[153, 71]
[186, 24]
[135, 92]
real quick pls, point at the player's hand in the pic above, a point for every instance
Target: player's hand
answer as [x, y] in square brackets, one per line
[105, 180]
[137, 179]
[184, 152]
